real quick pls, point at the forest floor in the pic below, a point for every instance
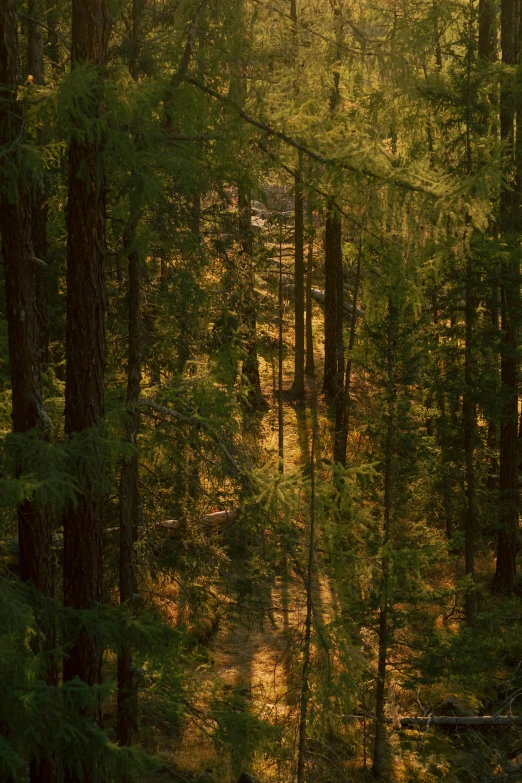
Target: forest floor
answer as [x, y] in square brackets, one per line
[257, 661]
[252, 659]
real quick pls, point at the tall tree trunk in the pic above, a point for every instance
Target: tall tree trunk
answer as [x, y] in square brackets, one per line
[305, 686]
[333, 260]
[469, 414]
[345, 405]
[380, 751]
[250, 363]
[509, 223]
[333, 304]
[487, 43]
[280, 416]
[469, 421]
[298, 386]
[35, 66]
[85, 347]
[23, 323]
[310, 362]
[52, 17]
[130, 500]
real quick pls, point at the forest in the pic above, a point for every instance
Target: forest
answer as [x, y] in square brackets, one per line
[260, 353]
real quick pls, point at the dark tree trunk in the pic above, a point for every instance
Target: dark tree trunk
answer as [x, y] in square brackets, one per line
[333, 305]
[52, 17]
[381, 752]
[280, 416]
[310, 362]
[333, 258]
[509, 224]
[298, 386]
[469, 421]
[130, 500]
[85, 347]
[469, 414]
[344, 404]
[136, 39]
[35, 65]
[35, 40]
[305, 686]
[195, 215]
[22, 310]
[487, 44]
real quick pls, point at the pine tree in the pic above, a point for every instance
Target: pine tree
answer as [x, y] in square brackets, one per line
[85, 346]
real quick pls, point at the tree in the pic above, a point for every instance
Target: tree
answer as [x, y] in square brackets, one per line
[509, 225]
[85, 336]
[23, 308]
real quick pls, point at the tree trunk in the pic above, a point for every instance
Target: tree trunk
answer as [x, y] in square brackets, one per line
[130, 501]
[469, 421]
[35, 66]
[298, 387]
[310, 362]
[487, 43]
[85, 348]
[333, 305]
[305, 686]
[280, 416]
[52, 17]
[24, 338]
[345, 406]
[250, 363]
[380, 752]
[333, 260]
[509, 220]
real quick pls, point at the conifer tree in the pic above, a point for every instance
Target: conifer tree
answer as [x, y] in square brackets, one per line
[509, 225]
[85, 336]
[22, 286]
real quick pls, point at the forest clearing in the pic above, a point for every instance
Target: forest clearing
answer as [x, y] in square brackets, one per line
[260, 418]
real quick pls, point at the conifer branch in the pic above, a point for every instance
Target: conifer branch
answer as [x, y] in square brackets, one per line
[312, 154]
[183, 67]
[172, 414]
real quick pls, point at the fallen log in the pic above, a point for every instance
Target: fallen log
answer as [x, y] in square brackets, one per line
[215, 519]
[446, 720]
[451, 720]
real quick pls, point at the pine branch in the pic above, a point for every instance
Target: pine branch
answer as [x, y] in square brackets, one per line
[312, 154]
[172, 414]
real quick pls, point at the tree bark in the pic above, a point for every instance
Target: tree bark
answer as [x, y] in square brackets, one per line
[35, 66]
[250, 363]
[305, 686]
[52, 17]
[380, 751]
[333, 305]
[487, 43]
[310, 362]
[280, 416]
[333, 260]
[24, 339]
[85, 346]
[298, 386]
[469, 421]
[130, 500]
[509, 224]
[344, 406]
